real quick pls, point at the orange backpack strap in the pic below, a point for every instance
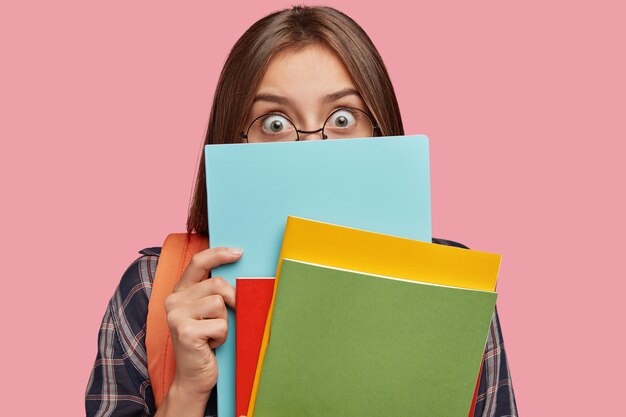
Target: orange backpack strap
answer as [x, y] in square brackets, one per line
[175, 256]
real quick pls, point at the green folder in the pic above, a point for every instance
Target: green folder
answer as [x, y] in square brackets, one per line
[352, 344]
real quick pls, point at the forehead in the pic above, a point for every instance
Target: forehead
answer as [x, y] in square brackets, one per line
[311, 70]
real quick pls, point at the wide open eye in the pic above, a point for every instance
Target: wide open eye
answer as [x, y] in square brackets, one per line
[342, 119]
[271, 127]
[275, 124]
[348, 122]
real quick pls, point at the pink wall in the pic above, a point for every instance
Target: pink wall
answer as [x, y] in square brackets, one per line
[103, 109]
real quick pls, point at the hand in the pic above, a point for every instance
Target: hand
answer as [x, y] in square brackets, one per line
[198, 320]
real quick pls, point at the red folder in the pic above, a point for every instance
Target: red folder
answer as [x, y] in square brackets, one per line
[254, 296]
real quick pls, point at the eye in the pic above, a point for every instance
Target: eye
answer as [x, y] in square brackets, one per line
[275, 123]
[342, 119]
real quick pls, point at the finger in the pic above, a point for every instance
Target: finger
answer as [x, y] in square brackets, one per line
[212, 286]
[202, 262]
[194, 333]
[211, 307]
[223, 288]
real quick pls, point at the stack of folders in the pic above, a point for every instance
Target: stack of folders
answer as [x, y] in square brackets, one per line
[363, 324]
[362, 319]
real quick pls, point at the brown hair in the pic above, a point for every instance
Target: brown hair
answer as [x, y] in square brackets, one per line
[247, 62]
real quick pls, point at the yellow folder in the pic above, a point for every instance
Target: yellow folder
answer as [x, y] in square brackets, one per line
[374, 253]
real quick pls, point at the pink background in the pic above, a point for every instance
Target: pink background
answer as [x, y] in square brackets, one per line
[103, 110]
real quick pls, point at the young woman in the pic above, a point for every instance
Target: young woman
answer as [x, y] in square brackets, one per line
[305, 73]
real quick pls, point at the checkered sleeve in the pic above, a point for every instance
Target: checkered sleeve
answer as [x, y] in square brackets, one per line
[119, 384]
[495, 395]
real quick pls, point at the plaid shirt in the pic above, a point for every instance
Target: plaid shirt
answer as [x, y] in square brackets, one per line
[119, 384]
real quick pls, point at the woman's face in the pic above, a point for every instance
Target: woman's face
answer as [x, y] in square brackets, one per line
[306, 86]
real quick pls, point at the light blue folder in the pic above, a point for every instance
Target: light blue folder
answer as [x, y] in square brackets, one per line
[376, 184]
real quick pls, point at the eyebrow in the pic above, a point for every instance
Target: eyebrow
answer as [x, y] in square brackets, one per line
[272, 98]
[340, 94]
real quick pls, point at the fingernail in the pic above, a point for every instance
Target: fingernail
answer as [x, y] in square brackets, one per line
[235, 251]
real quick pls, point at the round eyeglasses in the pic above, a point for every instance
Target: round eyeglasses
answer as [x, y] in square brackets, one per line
[342, 123]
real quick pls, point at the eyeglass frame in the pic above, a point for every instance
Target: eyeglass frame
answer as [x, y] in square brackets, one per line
[375, 127]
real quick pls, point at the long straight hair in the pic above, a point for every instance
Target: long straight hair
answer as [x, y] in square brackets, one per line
[291, 29]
